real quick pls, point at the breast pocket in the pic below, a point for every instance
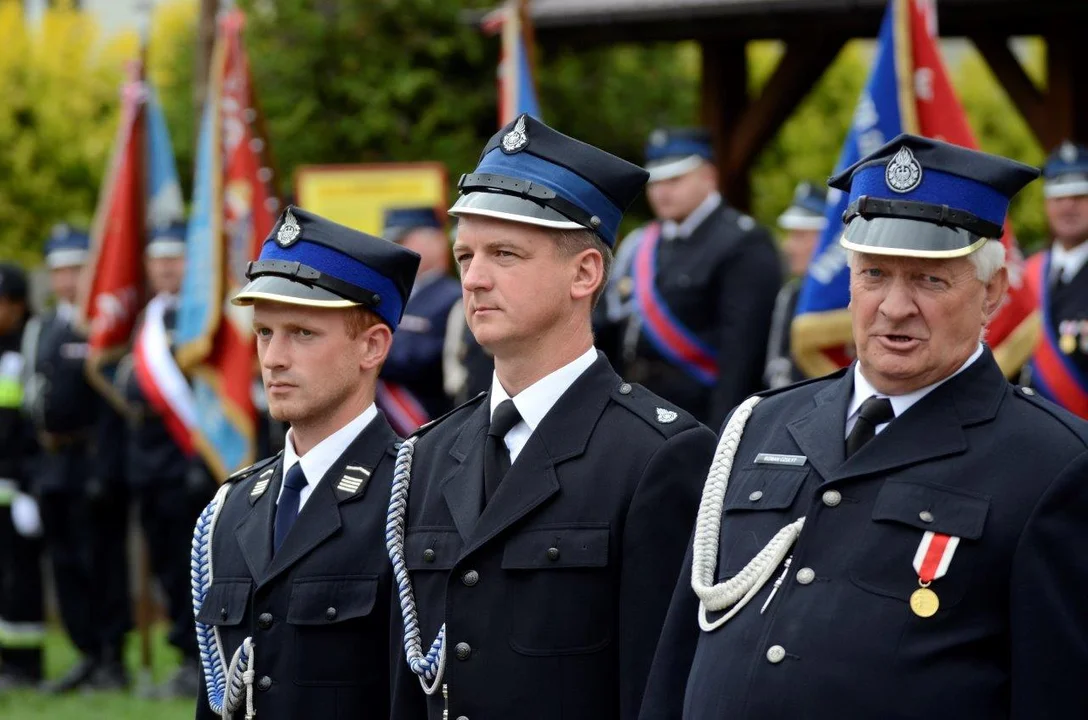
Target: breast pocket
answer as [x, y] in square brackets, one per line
[759, 504]
[560, 591]
[327, 616]
[903, 513]
[226, 602]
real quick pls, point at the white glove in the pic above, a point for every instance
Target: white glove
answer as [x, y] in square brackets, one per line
[25, 516]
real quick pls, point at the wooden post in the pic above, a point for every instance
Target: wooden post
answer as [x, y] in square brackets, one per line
[1031, 101]
[725, 98]
[1067, 78]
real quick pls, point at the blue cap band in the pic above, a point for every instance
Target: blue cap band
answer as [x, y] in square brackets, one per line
[342, 267]
[678, 147]
[566, 184]
[936, 188]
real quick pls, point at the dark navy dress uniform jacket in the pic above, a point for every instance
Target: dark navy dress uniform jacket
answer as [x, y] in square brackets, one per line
[556, 593]
[318, 610]
[977, 458]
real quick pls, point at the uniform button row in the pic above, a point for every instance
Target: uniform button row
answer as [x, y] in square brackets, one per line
[832, 498]
[264, 684]
[470, 578]
[264, 621]
[428, 555]
[806, 575]
[463, 651]
[776, 654]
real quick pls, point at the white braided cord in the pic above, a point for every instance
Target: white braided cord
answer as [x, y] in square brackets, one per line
[737, 591]
[430, 667]
[225, 689]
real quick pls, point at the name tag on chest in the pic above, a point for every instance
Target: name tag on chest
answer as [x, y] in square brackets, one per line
[777, 459]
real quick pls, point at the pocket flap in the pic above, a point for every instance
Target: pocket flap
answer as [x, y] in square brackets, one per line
[431, 549]
[932, 507]
[762, 488]
[323, 601]
[225, 603]
[557, 547]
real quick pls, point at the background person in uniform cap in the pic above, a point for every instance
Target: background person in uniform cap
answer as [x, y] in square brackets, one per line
[541, 516]
[698, 286]
[1059, 366]
[169, 484]
[296, 541]
[804, 220]
[914, 514]
[21, 605]
[83, 535]
[414, 365]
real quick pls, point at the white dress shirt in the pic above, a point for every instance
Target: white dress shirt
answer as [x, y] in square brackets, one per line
[900, 403]
[1067, 263]
[671, 230]
[534, 402]
[320, 458]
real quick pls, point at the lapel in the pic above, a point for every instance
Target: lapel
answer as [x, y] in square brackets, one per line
[564, 433]
[254, 532]
[463, 488]
[346, 481]
[930, 429]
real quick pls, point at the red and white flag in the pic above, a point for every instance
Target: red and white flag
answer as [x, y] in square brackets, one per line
[161, 381]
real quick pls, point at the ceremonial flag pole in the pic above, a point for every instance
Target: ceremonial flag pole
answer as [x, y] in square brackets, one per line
[908, 90]
[234, 209]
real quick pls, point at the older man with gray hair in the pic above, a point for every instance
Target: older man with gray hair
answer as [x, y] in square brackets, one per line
[898, 539]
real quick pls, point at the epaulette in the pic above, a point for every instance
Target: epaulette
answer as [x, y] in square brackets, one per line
[655, 411]
[255, 467]
[422, 429]
[1073, 423]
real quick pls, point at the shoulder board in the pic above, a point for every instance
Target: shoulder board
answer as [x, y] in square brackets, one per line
[802, 383]
[428, 425]
[658, 413]
[255, 467]
[1073, 423]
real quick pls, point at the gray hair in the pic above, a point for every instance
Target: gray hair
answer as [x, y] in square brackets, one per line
[987, 260]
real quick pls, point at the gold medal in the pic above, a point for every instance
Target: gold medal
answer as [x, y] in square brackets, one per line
[924, 602]
[1068, 344]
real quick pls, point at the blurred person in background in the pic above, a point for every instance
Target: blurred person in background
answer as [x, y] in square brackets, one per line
[803, 222]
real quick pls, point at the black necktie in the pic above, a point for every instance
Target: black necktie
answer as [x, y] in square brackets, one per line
[496, 456]
[874, 412]
[287, 508]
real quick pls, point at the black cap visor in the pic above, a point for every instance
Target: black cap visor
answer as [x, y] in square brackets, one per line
[909, 238]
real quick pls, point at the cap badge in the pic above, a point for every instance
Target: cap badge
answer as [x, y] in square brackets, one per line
[658, 138]
[517, 138]
[289, 230]
[903, 173]
[666, 416]
[803, 191]
[1068, 152]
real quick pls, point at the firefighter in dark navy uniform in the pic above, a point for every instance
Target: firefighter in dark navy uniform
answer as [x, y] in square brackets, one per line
[694, 290]
[803, 222]
[896, 540]
[415, 362]
[531, 528]
[291, 581]
[22, 627]
[1059, 366]
[80, 529]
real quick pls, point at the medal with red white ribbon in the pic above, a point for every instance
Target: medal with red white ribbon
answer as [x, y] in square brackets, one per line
[931, 562]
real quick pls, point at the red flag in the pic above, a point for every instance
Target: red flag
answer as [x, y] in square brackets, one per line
[1012, 332]
[234, 209]
[115, 291]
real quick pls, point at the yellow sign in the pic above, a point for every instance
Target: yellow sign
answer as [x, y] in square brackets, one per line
[358, 195]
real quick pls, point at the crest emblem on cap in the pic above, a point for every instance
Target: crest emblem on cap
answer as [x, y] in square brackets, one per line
[658, 138]
[517, 138]
[1068, 152]
[666, 416]
[289, 231]
[903, 173]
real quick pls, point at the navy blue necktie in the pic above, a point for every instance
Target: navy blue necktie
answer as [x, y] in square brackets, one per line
[287, 509]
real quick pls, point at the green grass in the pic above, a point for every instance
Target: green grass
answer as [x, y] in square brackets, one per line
[60, 655]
